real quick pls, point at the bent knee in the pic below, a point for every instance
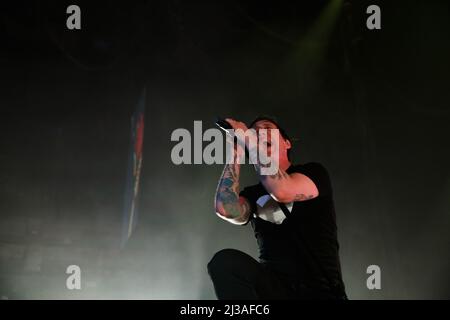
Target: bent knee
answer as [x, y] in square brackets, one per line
[223, 259]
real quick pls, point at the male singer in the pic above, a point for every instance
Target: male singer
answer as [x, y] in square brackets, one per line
[293, 218]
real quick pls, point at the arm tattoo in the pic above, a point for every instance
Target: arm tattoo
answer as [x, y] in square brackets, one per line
[302, 197]
[228, 191]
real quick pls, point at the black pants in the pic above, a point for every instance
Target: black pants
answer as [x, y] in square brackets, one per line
[237, 276]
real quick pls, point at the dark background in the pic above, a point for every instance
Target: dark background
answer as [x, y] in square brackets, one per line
[371, 105]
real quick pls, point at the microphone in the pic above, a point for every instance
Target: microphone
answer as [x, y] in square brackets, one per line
[223, 125]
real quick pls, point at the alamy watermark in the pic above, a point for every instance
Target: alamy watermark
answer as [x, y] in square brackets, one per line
[73, 281]
[374, 280]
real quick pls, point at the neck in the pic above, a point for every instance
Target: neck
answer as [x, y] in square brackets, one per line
[284, 164]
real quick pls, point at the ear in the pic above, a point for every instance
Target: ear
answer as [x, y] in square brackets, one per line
[288, 143]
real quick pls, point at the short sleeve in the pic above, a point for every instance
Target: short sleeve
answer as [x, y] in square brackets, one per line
[318, 174]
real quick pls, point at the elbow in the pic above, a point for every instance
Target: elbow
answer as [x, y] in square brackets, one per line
[224, 216]
[221, 214]
[220, 210]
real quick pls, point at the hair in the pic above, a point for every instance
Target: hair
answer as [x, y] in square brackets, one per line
[282, 132]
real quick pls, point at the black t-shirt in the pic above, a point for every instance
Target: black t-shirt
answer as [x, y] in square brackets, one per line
[314, 220]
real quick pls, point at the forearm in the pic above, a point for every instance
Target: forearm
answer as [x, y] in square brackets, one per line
[227, 193]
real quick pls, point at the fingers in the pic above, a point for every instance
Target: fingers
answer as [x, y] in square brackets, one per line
[232, 122]
[236, 124]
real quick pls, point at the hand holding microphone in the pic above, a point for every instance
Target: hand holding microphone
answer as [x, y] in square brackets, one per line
[223, 125]
[228, 124]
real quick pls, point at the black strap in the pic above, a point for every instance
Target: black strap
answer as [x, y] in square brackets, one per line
[337, 288]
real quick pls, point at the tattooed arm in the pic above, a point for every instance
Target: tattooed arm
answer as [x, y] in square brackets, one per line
[229, 205]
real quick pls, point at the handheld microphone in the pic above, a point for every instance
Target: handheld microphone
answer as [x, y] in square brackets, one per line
[223, 125]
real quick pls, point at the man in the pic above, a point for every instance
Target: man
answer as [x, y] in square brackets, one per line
[293, 218]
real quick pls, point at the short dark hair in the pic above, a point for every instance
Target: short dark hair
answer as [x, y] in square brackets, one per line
[282, 132]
